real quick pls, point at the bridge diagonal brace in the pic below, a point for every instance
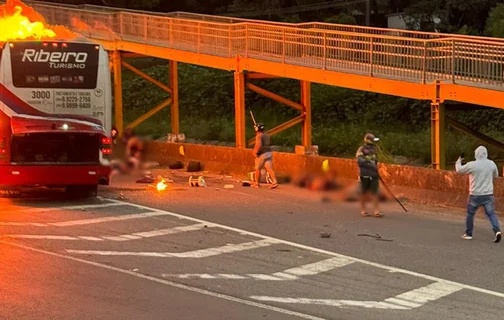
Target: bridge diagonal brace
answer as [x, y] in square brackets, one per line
[150, 113]
[478, 135]
[284, 126]
[147, 77]
[275, 96]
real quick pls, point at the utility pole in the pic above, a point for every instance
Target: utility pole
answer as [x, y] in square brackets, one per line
[368, 13]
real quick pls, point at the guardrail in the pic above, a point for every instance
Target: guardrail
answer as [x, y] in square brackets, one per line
[466, 61]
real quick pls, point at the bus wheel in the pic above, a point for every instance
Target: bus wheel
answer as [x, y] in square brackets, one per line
[82, 191]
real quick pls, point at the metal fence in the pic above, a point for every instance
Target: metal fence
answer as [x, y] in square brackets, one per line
[467, 61]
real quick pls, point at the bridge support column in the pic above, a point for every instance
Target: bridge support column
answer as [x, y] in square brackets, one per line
[239, 89]
[175, 117]
[118, 101]
[306, 130]
[438, 145]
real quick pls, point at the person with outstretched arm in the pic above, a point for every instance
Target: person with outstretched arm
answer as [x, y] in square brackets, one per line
[481, 173]
[368, 173]
[264, 156]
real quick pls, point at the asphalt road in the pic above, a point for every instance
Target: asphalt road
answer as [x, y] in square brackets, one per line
[241, 253]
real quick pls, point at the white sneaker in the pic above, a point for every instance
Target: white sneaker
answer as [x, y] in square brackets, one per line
[466, 237]
[498, 237]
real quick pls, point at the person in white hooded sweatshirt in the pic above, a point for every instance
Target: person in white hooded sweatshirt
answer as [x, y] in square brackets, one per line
[481, 172]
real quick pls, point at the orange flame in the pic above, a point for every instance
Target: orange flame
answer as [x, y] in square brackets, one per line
[161, 186]
[21, 22]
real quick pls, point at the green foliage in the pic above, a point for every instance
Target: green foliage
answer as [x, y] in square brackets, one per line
[495, 22]
[341, 18]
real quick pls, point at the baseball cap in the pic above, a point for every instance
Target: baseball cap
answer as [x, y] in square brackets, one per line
[371, 137]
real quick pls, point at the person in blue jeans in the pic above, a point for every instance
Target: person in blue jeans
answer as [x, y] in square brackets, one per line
[481, 172]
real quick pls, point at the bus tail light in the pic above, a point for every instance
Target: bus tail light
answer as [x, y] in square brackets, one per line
[106, 147]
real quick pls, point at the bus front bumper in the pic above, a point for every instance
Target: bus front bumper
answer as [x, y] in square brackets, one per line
[49, 175]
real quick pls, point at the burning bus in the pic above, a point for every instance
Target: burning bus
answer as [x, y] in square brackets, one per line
[55, 107]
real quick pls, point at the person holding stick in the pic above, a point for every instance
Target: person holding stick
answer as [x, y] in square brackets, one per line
[368, 174]
[481, 173]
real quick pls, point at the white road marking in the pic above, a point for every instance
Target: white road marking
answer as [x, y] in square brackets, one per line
[170, 283]
[315, 268]
[405, 301]
[124, 237]
[262, 277]
[88, 238]
[286, 275]
[197, 254]
[418, 297]
[331, 302]
[74, 207]
[39, 237]
[70, 223]
[107, 219]
[164, 232]
[326, 252]
[22, 224]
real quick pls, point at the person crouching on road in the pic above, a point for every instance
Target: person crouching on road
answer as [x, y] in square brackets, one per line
[481, 172]
[368, 168]
[264, 156]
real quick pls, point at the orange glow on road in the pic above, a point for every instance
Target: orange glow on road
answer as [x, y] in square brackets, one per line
[21, 22]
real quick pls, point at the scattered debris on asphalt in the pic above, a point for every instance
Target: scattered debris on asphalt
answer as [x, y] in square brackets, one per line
[375, 236]
[325, 235]
[197, 182]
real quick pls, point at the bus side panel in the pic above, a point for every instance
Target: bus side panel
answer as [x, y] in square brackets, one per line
[5, 137]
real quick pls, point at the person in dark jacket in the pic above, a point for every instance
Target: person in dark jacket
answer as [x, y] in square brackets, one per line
[368, 173]
[264, 156]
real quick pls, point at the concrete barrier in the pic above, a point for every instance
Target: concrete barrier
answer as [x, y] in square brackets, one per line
[418, 184]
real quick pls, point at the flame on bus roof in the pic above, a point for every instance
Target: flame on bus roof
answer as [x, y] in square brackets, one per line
[21, 22]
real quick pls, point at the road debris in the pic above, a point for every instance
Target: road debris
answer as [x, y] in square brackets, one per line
[325, 235]
[229, 186]
[197, 182]
[375, 236]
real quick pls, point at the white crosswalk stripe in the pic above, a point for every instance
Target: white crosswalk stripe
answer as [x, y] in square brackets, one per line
[286, 275]
[197, 254]
[405, 301]
[124, 237]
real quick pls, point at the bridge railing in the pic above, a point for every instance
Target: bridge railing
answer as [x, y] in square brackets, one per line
[467, 61]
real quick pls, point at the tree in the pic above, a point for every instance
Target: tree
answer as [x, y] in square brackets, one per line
[341, 18]
[495, 22]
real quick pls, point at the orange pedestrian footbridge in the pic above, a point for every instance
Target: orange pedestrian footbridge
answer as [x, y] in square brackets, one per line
[419, 65]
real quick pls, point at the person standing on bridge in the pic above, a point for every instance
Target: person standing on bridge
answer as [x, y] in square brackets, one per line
[481, 172]
[367, 161]
[264, 156]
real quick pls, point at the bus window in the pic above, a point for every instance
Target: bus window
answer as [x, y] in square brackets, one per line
[50, 148]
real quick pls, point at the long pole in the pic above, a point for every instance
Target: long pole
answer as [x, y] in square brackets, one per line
[386, 187]
[253, 119]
